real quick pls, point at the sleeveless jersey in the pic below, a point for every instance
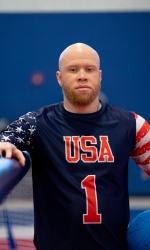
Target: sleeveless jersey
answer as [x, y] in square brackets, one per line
[80, 173]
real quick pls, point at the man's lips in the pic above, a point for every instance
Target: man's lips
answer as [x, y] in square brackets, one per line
[83, 87]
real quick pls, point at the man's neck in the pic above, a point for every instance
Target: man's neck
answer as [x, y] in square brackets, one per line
[83, 109]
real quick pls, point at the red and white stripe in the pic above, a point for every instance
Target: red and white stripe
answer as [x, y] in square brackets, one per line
[22, 244]
[141, 153]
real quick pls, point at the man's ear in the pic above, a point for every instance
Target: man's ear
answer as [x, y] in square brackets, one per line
[58, 76]
[100, 74]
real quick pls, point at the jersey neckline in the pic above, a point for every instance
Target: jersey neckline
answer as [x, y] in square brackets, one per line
[73, 115]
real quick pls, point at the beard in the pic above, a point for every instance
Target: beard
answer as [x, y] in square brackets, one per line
[80, 99]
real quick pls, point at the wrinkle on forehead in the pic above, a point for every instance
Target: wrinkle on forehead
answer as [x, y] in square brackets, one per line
[74, 50]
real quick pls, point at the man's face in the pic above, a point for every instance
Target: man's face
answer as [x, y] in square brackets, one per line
[80, 77]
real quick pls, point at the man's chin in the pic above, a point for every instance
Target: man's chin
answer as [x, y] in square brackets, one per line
[82, 101]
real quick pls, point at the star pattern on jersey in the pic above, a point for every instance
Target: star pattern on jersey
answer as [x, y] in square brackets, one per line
[19, 139]
[31, 116]
[31, 129]
[21, 131]
[20, 119]
[5, 138]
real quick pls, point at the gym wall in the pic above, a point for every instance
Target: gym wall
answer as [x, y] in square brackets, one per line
[32, 36]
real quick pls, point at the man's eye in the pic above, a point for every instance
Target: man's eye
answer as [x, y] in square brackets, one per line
[73, 69]
[89, 69]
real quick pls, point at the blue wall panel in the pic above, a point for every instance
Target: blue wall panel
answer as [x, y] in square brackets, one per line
[33, 42]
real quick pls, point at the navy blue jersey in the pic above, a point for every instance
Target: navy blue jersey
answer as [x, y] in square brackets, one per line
[80, 175]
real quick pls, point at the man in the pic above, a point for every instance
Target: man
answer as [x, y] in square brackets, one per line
[80, 150]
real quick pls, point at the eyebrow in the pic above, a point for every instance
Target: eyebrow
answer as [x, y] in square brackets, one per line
[86, 65]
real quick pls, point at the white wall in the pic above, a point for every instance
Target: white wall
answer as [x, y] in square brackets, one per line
[73, 5]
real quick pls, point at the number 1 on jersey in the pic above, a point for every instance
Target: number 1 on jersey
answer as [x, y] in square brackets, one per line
[91, 215]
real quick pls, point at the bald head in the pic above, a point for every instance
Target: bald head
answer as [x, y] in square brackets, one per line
[77, 51]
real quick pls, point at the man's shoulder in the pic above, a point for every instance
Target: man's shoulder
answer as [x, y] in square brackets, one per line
[47, 109]
[120, 112]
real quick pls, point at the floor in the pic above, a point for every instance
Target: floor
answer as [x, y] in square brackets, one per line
[19, 216]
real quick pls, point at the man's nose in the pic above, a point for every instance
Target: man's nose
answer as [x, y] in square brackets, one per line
[82, 76]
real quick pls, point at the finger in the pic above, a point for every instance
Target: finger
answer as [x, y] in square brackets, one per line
[3, 145]
[19, 156]
[11, 151]
[6, 149]
[8, 153]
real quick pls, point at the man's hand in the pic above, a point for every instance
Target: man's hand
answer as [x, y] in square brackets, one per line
[10, 151]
